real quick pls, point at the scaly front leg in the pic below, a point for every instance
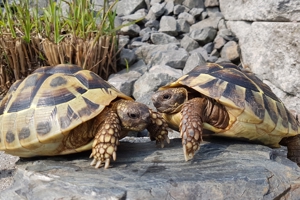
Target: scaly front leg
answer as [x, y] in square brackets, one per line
[191, 126]
[158, 128]
[106, 141]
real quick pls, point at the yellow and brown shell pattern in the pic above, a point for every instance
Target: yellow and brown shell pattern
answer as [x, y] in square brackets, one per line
[38, 112]
[256, 113]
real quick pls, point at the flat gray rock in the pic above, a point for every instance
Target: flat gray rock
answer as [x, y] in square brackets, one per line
[220, 170]
[261, 10]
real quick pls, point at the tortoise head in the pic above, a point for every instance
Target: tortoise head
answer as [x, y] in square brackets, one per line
[133, 115]
[170, 100]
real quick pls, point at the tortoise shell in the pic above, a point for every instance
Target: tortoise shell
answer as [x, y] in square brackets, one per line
[255, 112]
[39, 111]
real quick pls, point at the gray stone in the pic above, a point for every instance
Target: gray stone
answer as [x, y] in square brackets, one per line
[118, 21]
[211, 3]
[124, 81]
[98, 4]
[139, 66]
[158, 9]
[150, 16]
[227, 35]
[146, 37]
[126, 7]
[147, 52]
[148, 6]
[193, 3]
[188, 43]
[219, 42]
[188, 17]
[152, 2]
[209, 22]
[173, 58]
[123, 40]
[162, 38]
[168, 25]
[176, 2]
[127, 57]
[222, 60]
[132, 30]
[203, 36]
[135, 16]
[204, 15]
[182, 26]
[157, 76]
[202, 51]
[212, 59]
[222, 24]
[209, 47]
[135, 44]
[153, 24]
[169, 7]
[179, 9]
[213, 12]
[196, 12]
[231, 51]
[145, 31]
[215, 53]
[261, 10]
[193, 61]
[272, 52]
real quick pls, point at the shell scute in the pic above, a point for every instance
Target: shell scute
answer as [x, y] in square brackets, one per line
[52, 98]
[91, 81]
[58, 81]
[23, 97]
[236, 94]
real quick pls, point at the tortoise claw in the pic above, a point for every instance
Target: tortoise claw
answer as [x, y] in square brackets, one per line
[114, 156]
[189, 152]
[93, 163]
[98, 165]
[107, 162]
[167, 139]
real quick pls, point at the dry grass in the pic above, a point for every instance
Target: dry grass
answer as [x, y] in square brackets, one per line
[29, 40]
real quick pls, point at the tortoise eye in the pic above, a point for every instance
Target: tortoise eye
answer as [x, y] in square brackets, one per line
[132, 115]
[166, 96]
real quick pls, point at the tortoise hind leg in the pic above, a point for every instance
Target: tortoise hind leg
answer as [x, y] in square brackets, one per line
[293, 146]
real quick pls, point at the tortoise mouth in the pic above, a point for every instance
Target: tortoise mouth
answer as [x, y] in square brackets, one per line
[169, 109]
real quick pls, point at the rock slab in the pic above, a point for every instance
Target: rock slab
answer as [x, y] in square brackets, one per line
[220, 170]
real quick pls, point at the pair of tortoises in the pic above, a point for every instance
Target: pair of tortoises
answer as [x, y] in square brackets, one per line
[64, 109]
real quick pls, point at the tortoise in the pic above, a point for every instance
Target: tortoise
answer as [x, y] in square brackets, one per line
[64, 109]
[228, 101]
